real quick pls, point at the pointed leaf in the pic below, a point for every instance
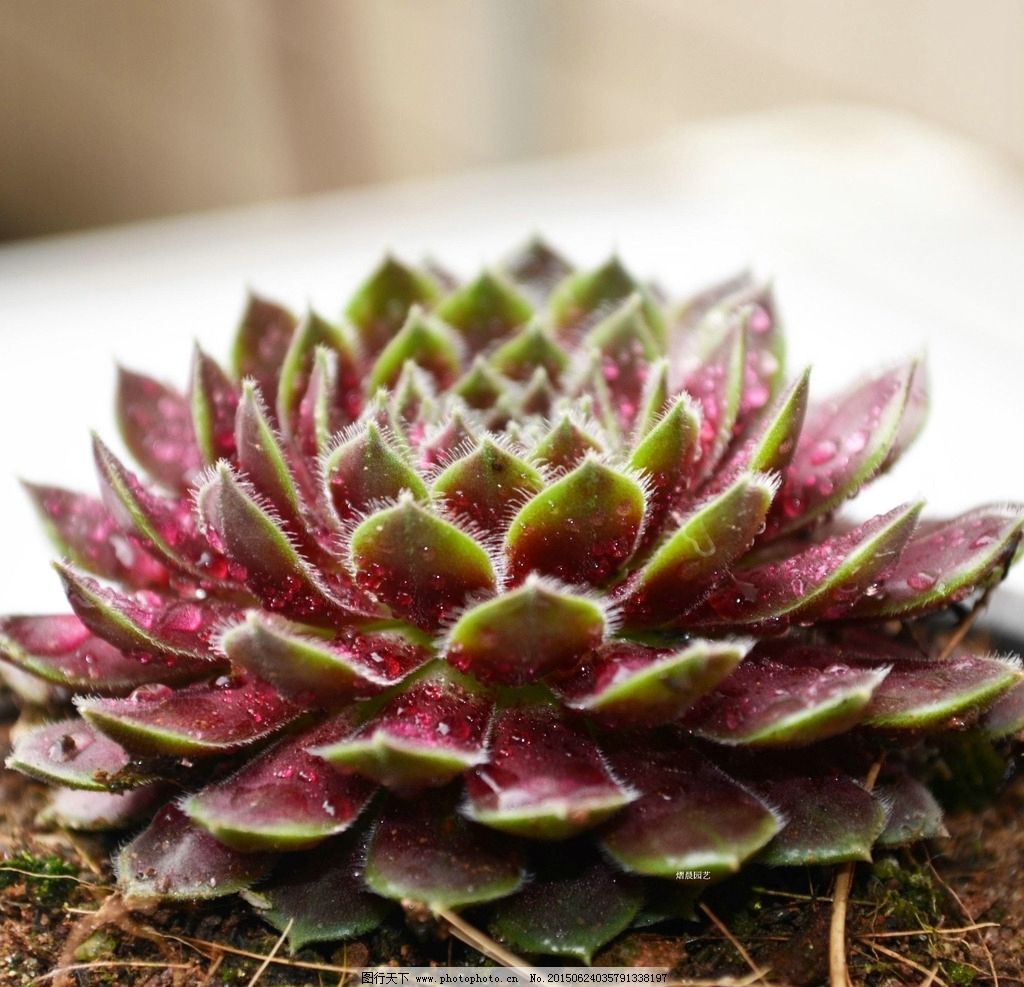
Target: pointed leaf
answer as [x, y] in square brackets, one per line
[446, 442]
[381, 303]
[545, 778]
[843, 444]
[666, 456]
[83, 531]
[627, 348]
[424, 340]
[538, 397]
[536, 269]
[582, 300]
[156, 425]
[655, 399]
[716, 386]
[90, 812]
[566, 445]
[944, 561]
[262, 554]
[213, 399]
[318, 671]
[284, 800]
[486, 309]
[829, 819]
[525, 634]
[913, 813]
[422, 851]
[261, 458]
[915, 414]
[631, 685]
[690, 817]
[580, 529]
[923, 694]
[570, 914]
[261, 342]
[311, 333]
[1005, 717]
[73, 754]
[532, 348]
[483, 485]
[422, 566]
[692, 311]
[164, 527]
[321, 411]
[426, 735]
[319, 896]
[144, 624]
[176, 860]
[820, 583]
[700, 552]
[772, 441]
[364, 469]
[763, 372]
[481, 387]
[767, 703]
[62, 650]
[198, 721]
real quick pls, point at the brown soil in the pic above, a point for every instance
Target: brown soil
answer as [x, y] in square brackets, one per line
[57, 910]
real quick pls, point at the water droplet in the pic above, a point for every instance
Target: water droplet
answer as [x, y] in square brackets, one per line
[823, 451]
[153, 692]
[921, 581]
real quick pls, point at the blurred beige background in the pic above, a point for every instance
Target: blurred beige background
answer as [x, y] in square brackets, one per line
[114, 110]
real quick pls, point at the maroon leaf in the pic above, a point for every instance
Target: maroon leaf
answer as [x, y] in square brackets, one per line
[73, 754]
[536, 268]
[213, 399]
[690, 817]
[844, 443]
[716, 385]
[820, 583]
[698, 553]
[545, 779]
[85, 532]
[566, 445]
[365, 468]
[772, 703]
[156, 425]
[62, 650]
[263, 556]
[320, 413]
[172, 858]
[525, 634]
[580, 529]
[422, 851]
[928, 694]
[382, 302]
[312, 333]
[284, 800]
[261, 343]
[626, 348]
[426, 735]
[1005, 717]
[167, 528]
[944, 561]
[913, 813]
[315, 670]
[89, 811]
[631, 685]
[146, 623]
[829, 819]
[484, 485]
[198, 721]
[422, 566]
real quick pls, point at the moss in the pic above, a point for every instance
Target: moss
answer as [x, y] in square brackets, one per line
[960, 974]
[907, 896]
[48, 890]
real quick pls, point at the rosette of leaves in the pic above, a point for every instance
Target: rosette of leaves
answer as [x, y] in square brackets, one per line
[530, 593]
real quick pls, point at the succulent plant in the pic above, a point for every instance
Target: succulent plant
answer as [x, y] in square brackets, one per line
[530, 592]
